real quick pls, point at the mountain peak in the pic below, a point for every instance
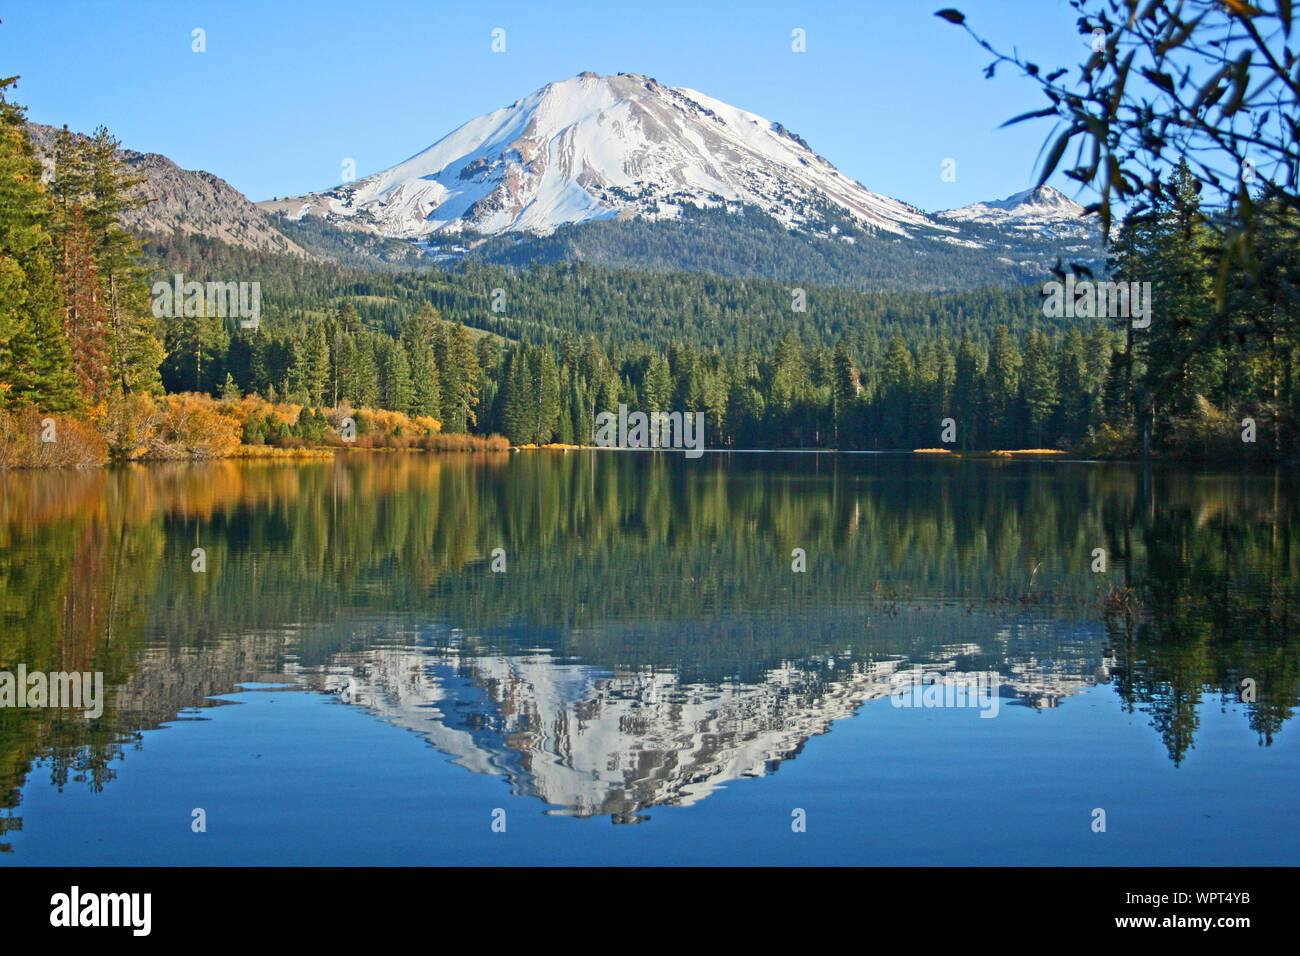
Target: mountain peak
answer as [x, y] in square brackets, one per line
[599, 147]
[1041, 201]
[1041, 211]
[1041, 197]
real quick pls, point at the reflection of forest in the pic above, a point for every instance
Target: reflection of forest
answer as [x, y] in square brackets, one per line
[640, 563]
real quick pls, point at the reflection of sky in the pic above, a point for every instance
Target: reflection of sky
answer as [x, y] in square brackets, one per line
[290, 778]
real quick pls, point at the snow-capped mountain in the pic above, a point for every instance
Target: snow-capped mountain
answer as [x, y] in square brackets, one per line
[600, 147]
[625, 173]
[1035, 210]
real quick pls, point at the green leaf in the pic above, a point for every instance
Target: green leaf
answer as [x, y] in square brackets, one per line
[1054, 157]
[1120, 79]
[1162, 80]
[1240, 82]
[1032, 114]
[1221, 279]
[1210, 85]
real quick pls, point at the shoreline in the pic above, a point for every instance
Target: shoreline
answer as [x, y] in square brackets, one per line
[322, 453]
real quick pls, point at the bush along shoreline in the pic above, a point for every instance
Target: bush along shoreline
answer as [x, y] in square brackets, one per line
[195, 427]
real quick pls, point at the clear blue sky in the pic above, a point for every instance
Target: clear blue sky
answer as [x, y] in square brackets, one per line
[287, 90]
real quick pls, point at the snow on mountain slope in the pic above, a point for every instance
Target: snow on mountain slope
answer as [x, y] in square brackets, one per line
[1035, 210]
[595, 147]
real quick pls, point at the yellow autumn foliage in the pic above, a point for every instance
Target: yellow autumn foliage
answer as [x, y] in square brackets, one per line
[33, 439]
[190, 426]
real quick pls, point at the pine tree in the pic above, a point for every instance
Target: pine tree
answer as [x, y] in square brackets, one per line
[196, 347]
[1176, 260]
[344, 360]
[417, 338]
[449, 380]
[1097, 350]
[688, 379]
[357, 373]
[1038, 381]
[135, 349]
[789, 375]
[394, 376]
[927, 388]
[35, 357]
[459, 376]
[895, 426]
[1002, 382]
[349, 322]
[311, 369]
[546, 386]
[55, 385]
[518, 399]
[845, 387]
[1074, 401]
[581, 421]
[657, 388]
[967, 393]
[84, 319]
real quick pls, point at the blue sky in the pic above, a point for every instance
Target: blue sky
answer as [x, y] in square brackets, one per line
[287, 90]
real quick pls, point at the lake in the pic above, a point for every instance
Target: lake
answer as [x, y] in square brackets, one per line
[639, 658]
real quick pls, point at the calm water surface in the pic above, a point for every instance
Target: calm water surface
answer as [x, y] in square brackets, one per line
[647, 680]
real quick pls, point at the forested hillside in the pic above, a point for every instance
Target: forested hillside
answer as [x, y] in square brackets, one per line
[543, 303]
[748, 243]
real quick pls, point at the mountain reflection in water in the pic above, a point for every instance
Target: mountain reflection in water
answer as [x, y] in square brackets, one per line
[590, 741]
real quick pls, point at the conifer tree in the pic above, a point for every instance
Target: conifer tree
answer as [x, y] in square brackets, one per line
[394, 376]
[967, 393]
[845, 387]
[657, 388]
[85, 321]
[546, 386]
[35, 357]
[1002, 383]
[135, 347]
[459, 375]
[1038, 382]
[417, 338]
[517, 397]
[1074, 406]
[895, 424]
[310, 374]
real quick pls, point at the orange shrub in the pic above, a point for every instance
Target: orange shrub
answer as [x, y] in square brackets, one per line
[34, 439]
[127, 424]
[464, 443]
[190, 426]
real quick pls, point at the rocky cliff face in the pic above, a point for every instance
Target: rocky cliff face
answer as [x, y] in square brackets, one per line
[192, 202]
